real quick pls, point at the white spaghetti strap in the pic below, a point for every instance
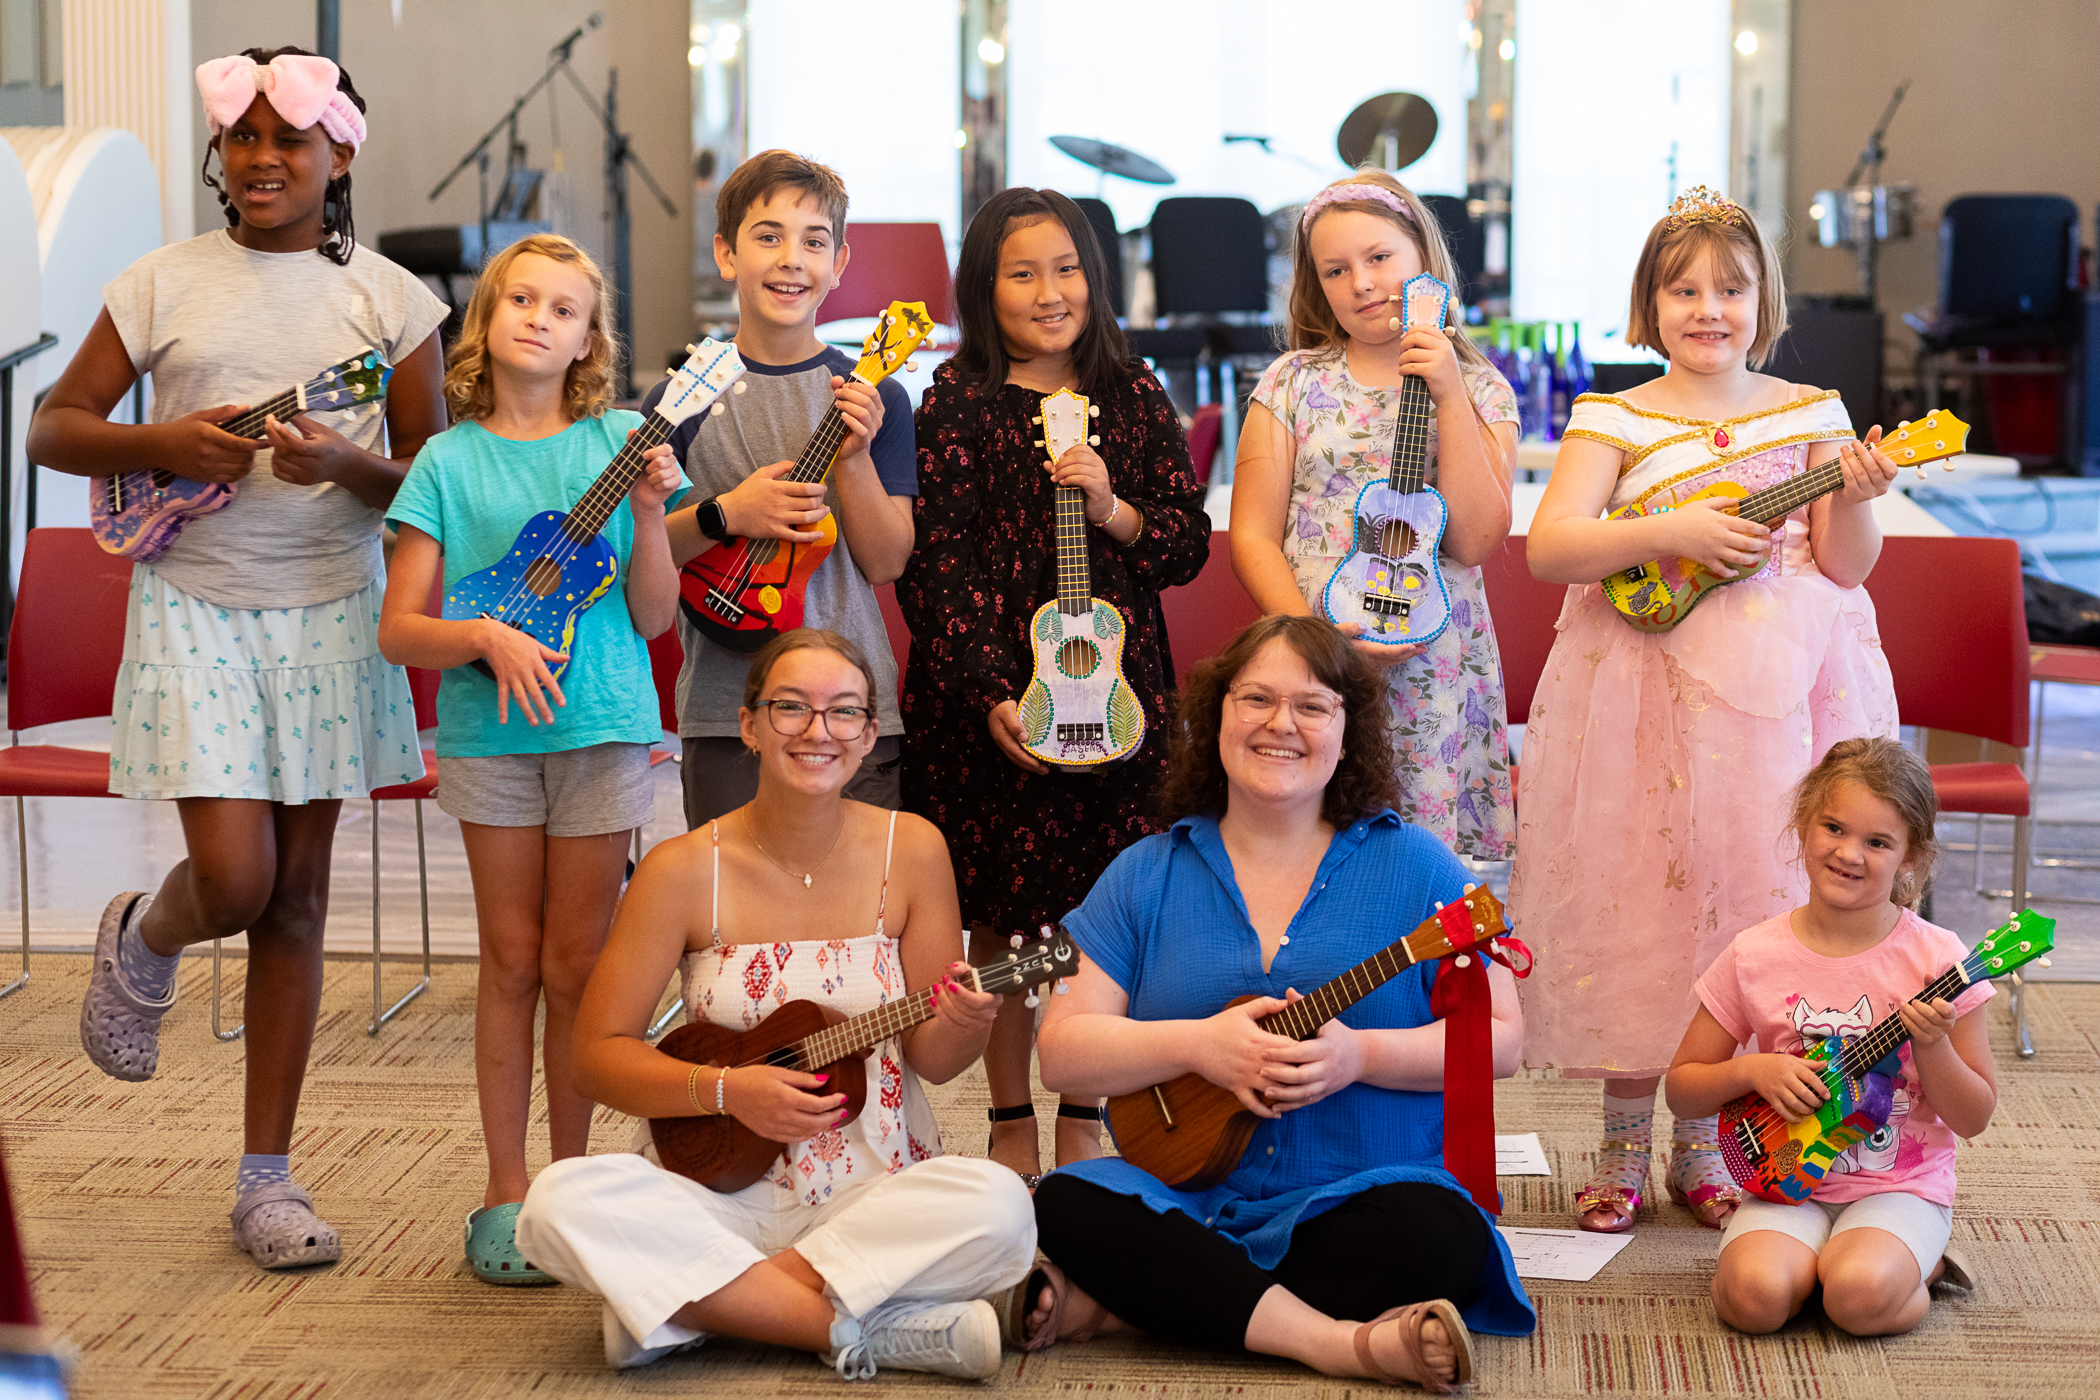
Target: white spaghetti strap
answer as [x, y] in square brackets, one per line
[714, 912]
[888, 848]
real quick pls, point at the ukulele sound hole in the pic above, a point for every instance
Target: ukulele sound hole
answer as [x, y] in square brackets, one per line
[543, 576]
[1078, 657]
[1395, 538]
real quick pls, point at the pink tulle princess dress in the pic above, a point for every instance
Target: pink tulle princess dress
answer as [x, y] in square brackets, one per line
[1652, 821]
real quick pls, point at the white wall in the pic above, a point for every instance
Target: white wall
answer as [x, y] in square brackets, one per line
[873, 91]
[1169, 81]
[1620, 105]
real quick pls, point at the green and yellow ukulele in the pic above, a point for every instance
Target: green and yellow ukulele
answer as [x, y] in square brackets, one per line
[1784, 1162]
[1078, 711]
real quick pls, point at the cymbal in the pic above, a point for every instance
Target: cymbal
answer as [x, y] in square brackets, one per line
[1115, 160]
[1408, 120]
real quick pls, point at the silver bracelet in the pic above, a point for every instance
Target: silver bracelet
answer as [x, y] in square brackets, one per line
[1113, 511]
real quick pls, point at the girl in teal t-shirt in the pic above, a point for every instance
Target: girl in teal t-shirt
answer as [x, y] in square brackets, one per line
[548, 776]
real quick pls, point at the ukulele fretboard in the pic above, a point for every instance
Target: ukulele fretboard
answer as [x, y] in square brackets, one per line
[588, 516]
[871, 1028]
[1778, 502]
[1888, 1035]
[1411, 422]
[1075, 586]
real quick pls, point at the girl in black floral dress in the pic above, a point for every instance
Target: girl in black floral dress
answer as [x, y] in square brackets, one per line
[1028, 841]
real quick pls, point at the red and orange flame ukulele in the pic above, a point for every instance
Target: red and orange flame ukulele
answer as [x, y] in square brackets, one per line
[745, 593]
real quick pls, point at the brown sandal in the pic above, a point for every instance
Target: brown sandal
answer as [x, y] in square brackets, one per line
[1411, 1318]
[1017, 1302]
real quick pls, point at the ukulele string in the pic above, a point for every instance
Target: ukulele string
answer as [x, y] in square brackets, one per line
[247, 425]
[1888, 1037]
[834, 1043]
[756, 554]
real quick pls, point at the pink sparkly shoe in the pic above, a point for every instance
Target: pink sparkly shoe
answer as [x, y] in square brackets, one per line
[1698, 1180]
[1619, 1186]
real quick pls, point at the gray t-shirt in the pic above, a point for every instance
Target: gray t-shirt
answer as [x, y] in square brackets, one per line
[771, 421]
[215, 323]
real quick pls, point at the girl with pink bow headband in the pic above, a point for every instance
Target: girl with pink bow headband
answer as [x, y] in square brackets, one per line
[305, 90]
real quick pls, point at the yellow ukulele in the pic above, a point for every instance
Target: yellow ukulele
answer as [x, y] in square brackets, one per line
[1659, 594]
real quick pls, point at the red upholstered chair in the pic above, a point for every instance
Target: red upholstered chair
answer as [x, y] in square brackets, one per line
[1525, 611]
[893, 262]
[1954, 628]
[423, 686]
[1209, 612]
[63, 650]
[1205, 434]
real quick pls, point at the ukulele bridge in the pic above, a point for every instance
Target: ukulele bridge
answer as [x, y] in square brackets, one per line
[731, 610]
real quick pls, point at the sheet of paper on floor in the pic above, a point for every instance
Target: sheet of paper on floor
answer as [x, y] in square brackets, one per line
[1520, 1154]
[1574, 1256]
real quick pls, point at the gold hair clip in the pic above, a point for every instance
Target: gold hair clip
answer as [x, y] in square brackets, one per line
[1700, 205]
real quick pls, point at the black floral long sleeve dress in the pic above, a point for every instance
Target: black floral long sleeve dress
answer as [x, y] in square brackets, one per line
[1027, 847]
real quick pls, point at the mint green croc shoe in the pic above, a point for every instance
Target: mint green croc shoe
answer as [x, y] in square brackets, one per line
[492, 1248]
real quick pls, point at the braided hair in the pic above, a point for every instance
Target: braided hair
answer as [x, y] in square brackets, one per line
[338, 234]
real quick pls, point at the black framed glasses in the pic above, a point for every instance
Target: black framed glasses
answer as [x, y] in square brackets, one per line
[790, 719]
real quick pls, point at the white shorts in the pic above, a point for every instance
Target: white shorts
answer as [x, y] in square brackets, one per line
[1912, 1219]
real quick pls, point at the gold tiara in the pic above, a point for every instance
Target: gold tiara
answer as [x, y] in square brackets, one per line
[1700, 205]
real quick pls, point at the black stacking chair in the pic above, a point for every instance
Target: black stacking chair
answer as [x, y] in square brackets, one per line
[1103, 221]
[1210, 269]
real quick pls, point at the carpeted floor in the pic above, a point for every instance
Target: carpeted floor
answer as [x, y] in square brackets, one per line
[122, 1190]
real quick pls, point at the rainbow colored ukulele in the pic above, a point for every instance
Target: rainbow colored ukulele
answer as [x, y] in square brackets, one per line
[744, 594]
[1657, 595]
[1784, 1162]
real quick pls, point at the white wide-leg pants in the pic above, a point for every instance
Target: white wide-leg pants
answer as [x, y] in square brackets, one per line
[649, 1241]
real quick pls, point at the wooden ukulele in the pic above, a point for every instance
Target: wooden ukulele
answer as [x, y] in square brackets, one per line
[745, 593]
[1781, 1161]
[1190, 1133]
[721, 1153]
[1390, 582]
[560, 563]
[139, 514]
[1078, 710]
[1657, 595]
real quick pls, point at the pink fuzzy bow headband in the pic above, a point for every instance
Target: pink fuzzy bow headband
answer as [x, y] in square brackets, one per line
[300, 86]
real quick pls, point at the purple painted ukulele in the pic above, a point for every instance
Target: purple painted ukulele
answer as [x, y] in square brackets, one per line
[139, 514]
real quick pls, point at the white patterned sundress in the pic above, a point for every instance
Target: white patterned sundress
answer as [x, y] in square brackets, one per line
[737, 985]
[289, 705]
[1449, 735]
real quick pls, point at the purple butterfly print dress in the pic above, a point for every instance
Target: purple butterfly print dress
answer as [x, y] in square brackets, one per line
[1448, 730]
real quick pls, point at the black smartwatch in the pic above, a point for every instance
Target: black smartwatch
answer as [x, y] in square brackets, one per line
[712, 522]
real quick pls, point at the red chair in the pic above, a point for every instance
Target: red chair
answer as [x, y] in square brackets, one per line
[1206, 614]
[893, 262]
[1526, 611]
[63, 650]
[1205, 434]
[423, 686]
[1954, 628]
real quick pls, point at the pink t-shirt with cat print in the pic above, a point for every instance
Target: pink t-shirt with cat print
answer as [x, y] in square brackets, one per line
[1774, 995]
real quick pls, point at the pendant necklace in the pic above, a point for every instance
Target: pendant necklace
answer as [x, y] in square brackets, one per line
[807, 879]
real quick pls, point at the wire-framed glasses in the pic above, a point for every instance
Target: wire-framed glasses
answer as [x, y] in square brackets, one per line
[790, 718]
[1312, 709]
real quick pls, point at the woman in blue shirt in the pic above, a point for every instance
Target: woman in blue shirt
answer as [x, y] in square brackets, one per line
[1286, 868]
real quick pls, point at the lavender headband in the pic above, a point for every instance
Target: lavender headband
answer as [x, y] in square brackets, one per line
[1336, 194]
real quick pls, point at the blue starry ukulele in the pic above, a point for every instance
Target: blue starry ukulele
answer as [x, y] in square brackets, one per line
[1390, 583]
[560, 563]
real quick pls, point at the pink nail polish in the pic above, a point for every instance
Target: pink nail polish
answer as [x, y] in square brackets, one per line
[823, 1079]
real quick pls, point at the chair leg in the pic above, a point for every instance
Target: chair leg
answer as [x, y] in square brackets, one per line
[22, 846]
[217, 1034]
[380, 1018]
[2022, 838]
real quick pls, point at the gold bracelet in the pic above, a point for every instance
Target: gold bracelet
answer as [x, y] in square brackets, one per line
[692, 1092]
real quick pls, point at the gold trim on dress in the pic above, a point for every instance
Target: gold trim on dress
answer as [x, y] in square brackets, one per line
[1822, 397]
[1792, 441]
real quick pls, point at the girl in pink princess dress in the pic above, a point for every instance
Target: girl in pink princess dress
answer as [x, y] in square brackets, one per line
[1653, 825]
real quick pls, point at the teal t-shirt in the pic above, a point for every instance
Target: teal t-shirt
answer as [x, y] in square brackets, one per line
[472, 492]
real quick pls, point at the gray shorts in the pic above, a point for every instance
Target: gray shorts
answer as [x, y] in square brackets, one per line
[576, 792]
[1912, 1219]
[721, 775]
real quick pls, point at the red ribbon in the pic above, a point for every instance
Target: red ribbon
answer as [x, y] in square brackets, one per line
[1463, 1000]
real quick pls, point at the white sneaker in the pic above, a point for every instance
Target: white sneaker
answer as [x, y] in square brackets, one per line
[623, 1352]
[948, 1339]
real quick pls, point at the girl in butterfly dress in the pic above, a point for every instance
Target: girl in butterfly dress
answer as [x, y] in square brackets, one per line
[1320, 429]
[252, 692]
[1654, 761]
[1874, 1232]
[549, 777]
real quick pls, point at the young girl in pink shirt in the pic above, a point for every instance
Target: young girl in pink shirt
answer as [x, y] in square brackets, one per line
[1874, 1234]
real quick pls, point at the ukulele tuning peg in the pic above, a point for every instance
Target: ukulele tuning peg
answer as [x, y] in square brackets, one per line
[1461, 961]
[911, 366]
[1031, 1001]
[1393, 324]
[1904, 424]
[740, 387]
[1471, 888]
[1093, 410]
[1094, 441]
[1043, 930]
[1480, 928]
[719, 409]
[690, 350]
[1063, 990]
[1015, 941]
[2038, 962]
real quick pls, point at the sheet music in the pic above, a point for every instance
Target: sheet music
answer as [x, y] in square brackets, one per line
[1573, 1256]
[1520, 1154]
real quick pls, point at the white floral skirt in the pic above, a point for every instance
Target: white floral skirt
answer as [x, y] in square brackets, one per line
[282, 704]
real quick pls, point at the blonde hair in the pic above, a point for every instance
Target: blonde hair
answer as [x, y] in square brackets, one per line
[470, 390]
[1312, 321]
[1893, 774]
[1737, 242]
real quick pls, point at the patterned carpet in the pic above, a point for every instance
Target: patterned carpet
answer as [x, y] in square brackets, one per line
[122, 1191]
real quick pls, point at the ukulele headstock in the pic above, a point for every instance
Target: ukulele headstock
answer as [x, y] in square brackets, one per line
[1424, 301]
[2026, 937]
[1064, 420]
[1474, 918]
[1051, 958]
[902, 328]
[1933, 438]
[360, 379]
[711, 368]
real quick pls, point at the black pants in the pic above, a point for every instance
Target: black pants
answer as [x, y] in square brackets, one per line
[1169, 1276]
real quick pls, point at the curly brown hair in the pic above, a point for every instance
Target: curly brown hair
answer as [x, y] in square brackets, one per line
[1898, 777]
[470, 390]
[1363, 781]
